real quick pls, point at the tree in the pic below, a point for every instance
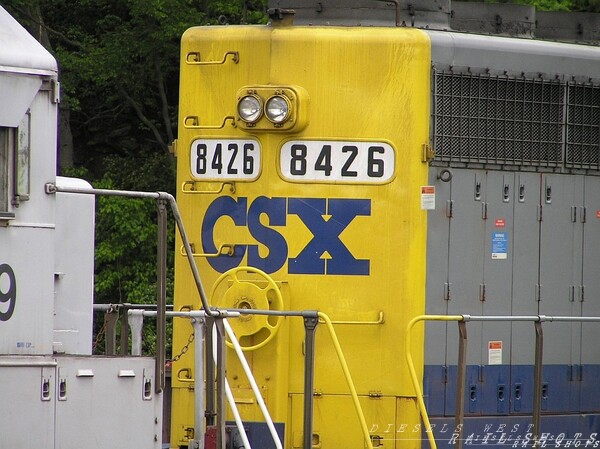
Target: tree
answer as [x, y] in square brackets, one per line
[119, 72]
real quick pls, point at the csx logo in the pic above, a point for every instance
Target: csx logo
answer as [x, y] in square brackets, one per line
[325, 219]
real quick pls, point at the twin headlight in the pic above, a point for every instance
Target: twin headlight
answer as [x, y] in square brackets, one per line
[276, 109]
[272, 108]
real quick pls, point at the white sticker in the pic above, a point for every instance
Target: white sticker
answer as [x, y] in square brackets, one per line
[427, 197]
[494, 352]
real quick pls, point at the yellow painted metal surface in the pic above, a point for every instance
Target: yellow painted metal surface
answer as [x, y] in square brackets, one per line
[330, 208]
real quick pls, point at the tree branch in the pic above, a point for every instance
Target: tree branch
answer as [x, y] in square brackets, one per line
[138, 110]
[40, 23]
[163, 99]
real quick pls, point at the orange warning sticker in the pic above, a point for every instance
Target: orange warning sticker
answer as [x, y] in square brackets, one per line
[494, 352]
[427, 197]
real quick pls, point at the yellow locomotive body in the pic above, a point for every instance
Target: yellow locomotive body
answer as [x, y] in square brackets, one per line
[326, 199]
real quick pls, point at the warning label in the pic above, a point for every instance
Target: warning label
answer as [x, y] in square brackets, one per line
[499, 245]
[495, 353]
[427, 197]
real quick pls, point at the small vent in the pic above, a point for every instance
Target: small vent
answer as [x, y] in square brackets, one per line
[500, 120]
[583, 127]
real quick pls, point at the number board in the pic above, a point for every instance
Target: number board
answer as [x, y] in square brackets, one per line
[337, 161]
[225, 159]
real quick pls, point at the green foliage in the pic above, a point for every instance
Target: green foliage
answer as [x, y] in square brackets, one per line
[119, 72]
[548, 5]
[126, 234]
[553, 5]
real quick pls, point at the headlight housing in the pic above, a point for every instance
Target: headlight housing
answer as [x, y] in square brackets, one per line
[272, 108]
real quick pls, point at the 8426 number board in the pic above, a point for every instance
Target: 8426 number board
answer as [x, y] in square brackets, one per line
[337, 161]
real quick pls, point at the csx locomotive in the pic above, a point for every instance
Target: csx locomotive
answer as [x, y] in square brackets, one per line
[396, 205]
[365, 160]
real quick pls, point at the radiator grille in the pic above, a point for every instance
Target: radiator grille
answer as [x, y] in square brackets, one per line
[498, 120]
[583, 127]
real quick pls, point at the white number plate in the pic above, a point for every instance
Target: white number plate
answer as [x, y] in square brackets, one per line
[335, 161]
[225, 159]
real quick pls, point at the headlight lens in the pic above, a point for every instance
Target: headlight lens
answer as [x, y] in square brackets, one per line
[250, 108]
[277, 109]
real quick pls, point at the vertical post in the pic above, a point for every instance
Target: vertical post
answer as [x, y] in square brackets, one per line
[110, 323]
[199, 398]
[220, 382]
[161, 296]
[459, 416]
[210, 374]
[310, 326]
[125, 330]
[537, 380]
[136, 323]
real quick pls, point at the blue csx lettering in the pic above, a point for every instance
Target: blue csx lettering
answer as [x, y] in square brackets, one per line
[310, 260]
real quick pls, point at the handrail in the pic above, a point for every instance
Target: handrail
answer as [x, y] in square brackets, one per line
[536, 319]
[413, 373]
[52, 188]
[253, 385]
[340, 354]
[234, 410]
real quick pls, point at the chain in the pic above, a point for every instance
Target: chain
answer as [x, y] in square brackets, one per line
[99, 336]
[185, 348]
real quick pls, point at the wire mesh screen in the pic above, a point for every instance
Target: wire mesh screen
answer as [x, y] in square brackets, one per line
[498, 119]
[583, 127]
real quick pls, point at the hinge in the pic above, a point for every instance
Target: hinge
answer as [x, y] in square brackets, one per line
[375, 395]
[573, 214]
[53, 86]
[173, 148]
[482, 292]
[581, 293]
[449, 208]
[447, 291]
[428, 153]
[55, 91]
[538, 292]
[445, 374]
[571, 293]
[583, 214]
[539, 212]
[484, 210]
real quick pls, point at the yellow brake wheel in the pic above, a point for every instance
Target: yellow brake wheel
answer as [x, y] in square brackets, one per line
[230, 291]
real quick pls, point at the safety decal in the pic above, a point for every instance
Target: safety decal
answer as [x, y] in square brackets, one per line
[499, 245]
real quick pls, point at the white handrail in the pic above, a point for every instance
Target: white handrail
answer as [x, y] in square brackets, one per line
[255, 389]
[236, 414]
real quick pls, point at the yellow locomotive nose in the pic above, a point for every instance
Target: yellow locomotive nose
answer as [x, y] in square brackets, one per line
[317, 184]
